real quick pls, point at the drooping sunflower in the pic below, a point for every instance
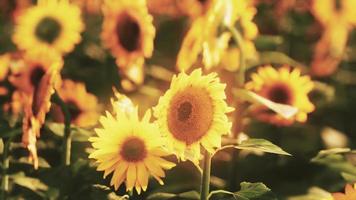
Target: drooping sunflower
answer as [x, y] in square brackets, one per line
[193, 113]
[283, 86]
[350, 193]
[35, 81]
[338, 18]
[245, 11]
[204, 37]
[44, 27]
[207, 37]
[129, 148]
[128, 31]
[83, 106]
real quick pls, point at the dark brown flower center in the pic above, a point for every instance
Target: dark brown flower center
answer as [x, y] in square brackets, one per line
[184, 111]
[133, 150]
[190, 115]
[48, 30]
[280, 93]
[128, 32]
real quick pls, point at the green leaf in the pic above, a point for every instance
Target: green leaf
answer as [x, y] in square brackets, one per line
[191, 195]
[314, 193]
[161, 196]
[254, 191]
[78, 134]
[284, 110]
[31, 183]
[10, 133]
[248, 191]
[258, 145]
[337, 159]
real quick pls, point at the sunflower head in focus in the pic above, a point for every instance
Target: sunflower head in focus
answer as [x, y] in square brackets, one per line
[350, 193]
[128, 31]
[282, 86]
[193, 113]
[129, 148]
[51, 24]
[35, 83]
[83, 106]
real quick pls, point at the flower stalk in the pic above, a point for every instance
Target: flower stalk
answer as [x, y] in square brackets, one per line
[67, 139]
[205, 181]
[240, 82]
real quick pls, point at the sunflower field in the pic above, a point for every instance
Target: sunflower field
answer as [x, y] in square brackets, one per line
[178, 99]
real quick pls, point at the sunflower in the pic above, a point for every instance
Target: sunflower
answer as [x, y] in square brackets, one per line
[329, 50]
[130, 148]
[82, 105]
[193, 113]
[206, 36]
[337, 18]
[44, 27]
[128, 31]
[284, 87]
[203, 37]
[329, 10]
[245, 12]
[35, 81]
[350, 193]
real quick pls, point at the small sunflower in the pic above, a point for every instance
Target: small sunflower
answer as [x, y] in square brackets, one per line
[45, 26]
[193, 113]
[82, 105]
[128, 31]
[35, 81]
[129, 148]
[350, 193]
[284, 87]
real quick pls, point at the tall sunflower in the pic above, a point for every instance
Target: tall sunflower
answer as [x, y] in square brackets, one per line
[128, 31]
[129, 148]
[35, 81]
[83, 106]
[51, 24]
[285, 87]
[193, 113]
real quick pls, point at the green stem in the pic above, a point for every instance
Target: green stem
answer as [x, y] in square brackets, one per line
[240, 83]
[205, 181]
[67, 139]
[5, 167]
[240, 43]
